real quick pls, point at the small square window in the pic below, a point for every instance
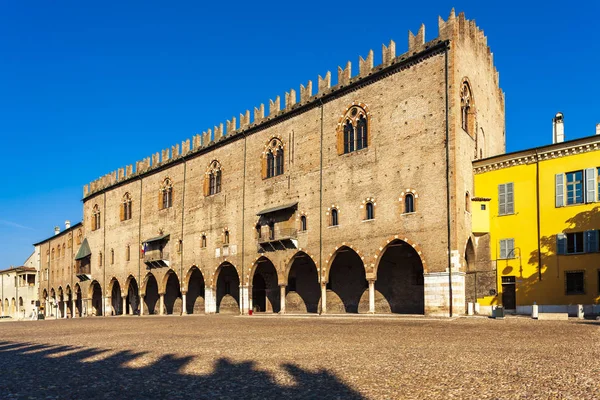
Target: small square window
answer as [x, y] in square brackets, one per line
[575, 282]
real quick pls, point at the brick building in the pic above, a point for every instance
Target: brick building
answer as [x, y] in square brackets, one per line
[355, 198]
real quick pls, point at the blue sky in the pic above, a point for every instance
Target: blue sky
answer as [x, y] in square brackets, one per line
[87, 87]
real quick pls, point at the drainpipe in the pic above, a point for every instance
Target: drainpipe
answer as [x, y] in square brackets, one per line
[321, 208]
[448, 220]
[537, 205]
[243, 232]
[139, 282]
[184, 309]
[104, 257]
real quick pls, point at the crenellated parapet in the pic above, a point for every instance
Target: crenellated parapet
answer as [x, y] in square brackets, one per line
[455, 28]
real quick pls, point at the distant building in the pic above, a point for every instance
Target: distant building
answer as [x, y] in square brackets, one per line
[19, 292]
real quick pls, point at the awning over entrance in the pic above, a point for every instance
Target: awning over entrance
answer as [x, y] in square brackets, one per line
[157, 239]
[278, 208]
[84, 250]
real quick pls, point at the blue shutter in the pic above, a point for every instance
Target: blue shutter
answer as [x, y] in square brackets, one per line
[591, 241]
[590, 185]
[560, 188]
[561, 243]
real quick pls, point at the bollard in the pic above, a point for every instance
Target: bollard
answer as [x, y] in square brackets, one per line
[534, 311]
[469, 308]
[580, 311]
[476, 308]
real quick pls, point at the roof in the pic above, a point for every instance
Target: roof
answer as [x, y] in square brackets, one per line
[156, 239]
[77, 225]
[18, 269]
[278, 208]
[84, 250]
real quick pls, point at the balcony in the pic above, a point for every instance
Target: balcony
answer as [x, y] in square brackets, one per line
[278, 239]
[156, 259]
[83, 270]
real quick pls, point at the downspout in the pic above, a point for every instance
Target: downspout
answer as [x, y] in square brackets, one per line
[321, 206]
[104, 256]
[448, 220]
[139, 252]
[184, 309]
[243, 230]
[537, 205]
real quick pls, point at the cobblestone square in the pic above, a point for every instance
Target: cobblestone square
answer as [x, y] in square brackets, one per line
[292, 357]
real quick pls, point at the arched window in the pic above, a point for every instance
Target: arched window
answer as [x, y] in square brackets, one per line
[226, 237]
[203, 241]
[467, 109]
[58, 251]
[126, 207]
[165, 199]
[214, 179]
[79, 236]
[334, 217]
[47, 255]
[274, 159]
[303, 223]
[354, 131]
[127, 253]
[370, 213]
[409, 203]
[95, 217]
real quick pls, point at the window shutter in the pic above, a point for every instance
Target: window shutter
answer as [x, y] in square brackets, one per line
[591, 241]
[561, 243]
[502, 199]
[510, 248]
[560, 196]
[510, 207]
[503, 249]
[590, 185]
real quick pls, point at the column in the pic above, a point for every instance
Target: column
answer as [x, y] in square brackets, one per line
[210, 303]
[282, 299]
[323, 298]
[162, 304]
[244, 300]
[107, 307]
[371, 297]
[250, 300]
[184, 303]
[47, 309]
[141, 304]
[74, 307]
[124, 312]
[65, 308]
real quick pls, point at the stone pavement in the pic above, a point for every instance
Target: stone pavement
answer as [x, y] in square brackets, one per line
[216, 357]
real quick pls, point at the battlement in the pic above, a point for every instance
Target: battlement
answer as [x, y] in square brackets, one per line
[453, 29]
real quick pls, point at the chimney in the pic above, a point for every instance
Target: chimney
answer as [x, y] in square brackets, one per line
[67, 224]
[558, 128]
[56, 230]
[598, 129]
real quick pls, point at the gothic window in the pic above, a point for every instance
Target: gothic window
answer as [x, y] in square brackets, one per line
[126, 207]
[226, 237]
[95, 217]
[303, 223]
[213, 176]
[203, 241]
[409, 203]
[467, 109]
[334, 217]
[165, 198]
[273, 159]
[353, 134]
[370, 212]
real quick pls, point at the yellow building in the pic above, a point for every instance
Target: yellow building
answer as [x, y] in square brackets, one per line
[542, 209]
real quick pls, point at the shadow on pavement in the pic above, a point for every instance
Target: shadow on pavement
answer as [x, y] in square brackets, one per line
[30, 370]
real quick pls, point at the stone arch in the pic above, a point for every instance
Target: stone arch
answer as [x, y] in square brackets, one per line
[303, 290]
[264, 280]
[78, 300]
[331, 257]
[194, 287]
[226, 283]
[69, 300]
[95, 294]
[379, 252]
[61, 302]
[172, 291]
[399, 272]
[116, 298]
[346, 280]
[150, 293]
[132, 302]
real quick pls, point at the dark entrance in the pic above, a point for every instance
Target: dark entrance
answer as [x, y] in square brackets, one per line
[303, 290]
[173, 295]
[151, 297]
[347, 282]
[509, 293]
[195, 293]
[265, 291]
[96, 299]
[116, 301]
[133, 299]
[228, 290]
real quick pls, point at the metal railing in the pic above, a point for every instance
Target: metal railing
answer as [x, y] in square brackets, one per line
[278, 234]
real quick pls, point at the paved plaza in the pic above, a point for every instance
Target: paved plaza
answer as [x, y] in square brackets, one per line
[291, 357]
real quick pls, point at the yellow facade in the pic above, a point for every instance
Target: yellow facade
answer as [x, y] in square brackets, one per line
[544, 277]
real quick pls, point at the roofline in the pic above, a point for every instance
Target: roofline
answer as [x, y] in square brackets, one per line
[401, 62]
[18, 269]
[59, 234]
[533, 150]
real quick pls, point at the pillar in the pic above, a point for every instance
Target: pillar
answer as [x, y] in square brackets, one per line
[64, 309]
[250, 300]
[162, 304]
[184, 301]
[323, 298]
[244, 300]
[124, 312]
[46, 309]
[282, 299]
[210, 302]
[74, 307]
[141, 304]
[371, 297]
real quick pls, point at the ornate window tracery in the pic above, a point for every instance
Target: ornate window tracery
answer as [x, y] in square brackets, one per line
[353, 134]
[273, 159]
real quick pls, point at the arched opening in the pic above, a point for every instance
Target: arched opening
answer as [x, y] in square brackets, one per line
[173, 302]
[303, 291]
[265, 291]
[21, 309]
[13, 307]
[347, 282]
[78, 301]
[303, 223]
[228, 290]
[96, 299]
[116, 301]
[53, 303]
[69, 300]
[370, 214]
[400, 280]
[61, 304]
[133, 299]
[195, 293]
[334, 217]
[409, 203]
[151, 295]
[43, 304]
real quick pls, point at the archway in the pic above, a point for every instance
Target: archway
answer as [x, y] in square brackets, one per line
[303, 291]
[96, 298]
[173, 303]
[53, 303]
[195, 292]
[69, 300]
[400, 280]
[228, 289]
[43, 304]
[133, 299]
[13, 308]
[347, 282]
[116, 300]
[151, 295]
[265, 290]
[61, 304]
[21, 309]
[78, 301]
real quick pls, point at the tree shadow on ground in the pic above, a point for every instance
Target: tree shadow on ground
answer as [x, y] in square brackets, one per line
[38, 371]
